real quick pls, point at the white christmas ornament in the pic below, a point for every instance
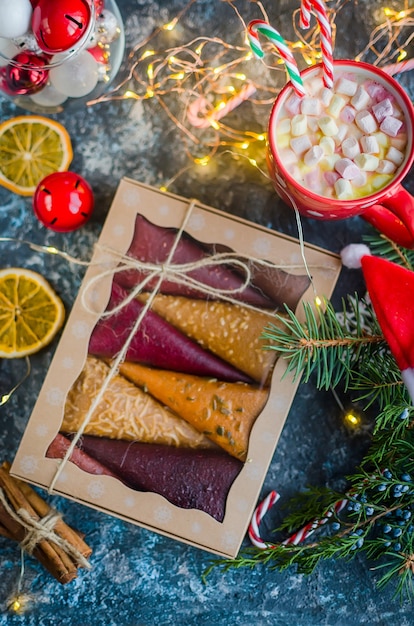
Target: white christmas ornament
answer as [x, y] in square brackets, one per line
[15, 17]
[76, 77]
[7, 51]
[48, 97]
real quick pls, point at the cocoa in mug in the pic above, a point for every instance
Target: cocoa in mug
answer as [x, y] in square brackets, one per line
[339, 152]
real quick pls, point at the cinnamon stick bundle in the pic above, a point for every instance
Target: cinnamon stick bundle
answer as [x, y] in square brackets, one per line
[29, 520]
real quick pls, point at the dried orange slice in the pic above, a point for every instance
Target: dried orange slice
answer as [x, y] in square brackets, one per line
[31, 147]
[30, 312]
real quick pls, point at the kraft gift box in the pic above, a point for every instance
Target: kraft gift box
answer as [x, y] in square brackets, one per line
[201, 266]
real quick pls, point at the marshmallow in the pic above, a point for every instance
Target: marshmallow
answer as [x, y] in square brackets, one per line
[366, 122]
[312, 181]
[288, 157]
[283, 126]
[367, 162]
[300, 144]
[299, 125]
[313, 156]
[380, 181]
[346, 87]
[310, 106]
[394, 155]
[341, 134]
[390, 126]
[327, 144]
[346, 168]
[360, 180]
[326, 96]
[292, 104]
[376, 91]
[382, 139]
[361, 99]
[347, 114]
[331, 178]
[369, 144]
[329, 160]
[400, 142]
[343, 189]
[382, 109]
[336, 105]
[350, 147]
[386, 167]
[328, 126]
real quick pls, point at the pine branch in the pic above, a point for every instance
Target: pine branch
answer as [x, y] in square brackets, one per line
[325, 343]
[380, 245]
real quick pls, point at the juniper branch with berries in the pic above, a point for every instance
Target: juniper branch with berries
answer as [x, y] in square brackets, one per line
[348, 348]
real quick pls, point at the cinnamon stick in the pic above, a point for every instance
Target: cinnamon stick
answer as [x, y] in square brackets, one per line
[42, 508]
[53, 557]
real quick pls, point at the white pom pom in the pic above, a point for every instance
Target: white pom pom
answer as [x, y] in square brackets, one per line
[351, 255]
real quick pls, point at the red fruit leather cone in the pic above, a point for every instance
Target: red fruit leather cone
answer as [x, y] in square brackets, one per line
[152, 244]
[391, 289]
[156, 342]
[189, 479]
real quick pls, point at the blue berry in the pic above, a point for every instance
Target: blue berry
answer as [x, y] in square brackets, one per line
[360, 543]
[382, 487]
[396, 532]
[335, 526]
[406, 478]
[406, 515]
[387, 474]
[405, 488]
[387, 544]
[387, 528]
[397, 547]
[369, 510]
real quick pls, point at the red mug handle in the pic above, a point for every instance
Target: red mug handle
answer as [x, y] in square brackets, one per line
[394, 217]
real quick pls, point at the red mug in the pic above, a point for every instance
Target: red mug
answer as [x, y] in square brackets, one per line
[391, 208]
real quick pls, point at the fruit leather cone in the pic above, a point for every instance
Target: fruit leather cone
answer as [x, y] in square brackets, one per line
[391, 289]
[224, 412]
[60, 445]
[189, 479]
[124, 412]
[156, 342]
[229, 330]
[152, 244]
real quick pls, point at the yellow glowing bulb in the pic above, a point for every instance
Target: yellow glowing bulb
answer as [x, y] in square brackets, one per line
[318, 301]
[248, 56]
[149, 94]
[16, 605]
[150, 71]
[170, 25]
[388, 12]
[130, 94]
[178, 76]
[163, 188]
[202, 161]
[261, 137]
[199, 48]
[244, 145]
[401, 15]
[215, 124]
[402, 55]
[231, 89]
[241, 76]
[253, 162]
[147, 53]
[220, 105]
[298, 44]
[352, 419]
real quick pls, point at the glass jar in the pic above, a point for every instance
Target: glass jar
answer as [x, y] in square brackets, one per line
[41, 77]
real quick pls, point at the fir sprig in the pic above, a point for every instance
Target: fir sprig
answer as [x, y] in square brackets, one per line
[347, 347]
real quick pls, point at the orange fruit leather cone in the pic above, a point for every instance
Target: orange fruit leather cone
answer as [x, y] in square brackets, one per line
[224, 412]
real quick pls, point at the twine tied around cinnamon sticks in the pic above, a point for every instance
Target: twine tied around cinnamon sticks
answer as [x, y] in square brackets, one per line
[39, 529]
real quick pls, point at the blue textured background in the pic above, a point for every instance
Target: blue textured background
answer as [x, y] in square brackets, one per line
[140, 578]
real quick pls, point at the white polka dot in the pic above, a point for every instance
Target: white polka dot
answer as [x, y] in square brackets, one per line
[197, 222]
[229, 233]
[242, 505]
[262, 246]
[129, 502]
[28, 465]
[55, 396]
[196, 528]
[281, 181]
[68, 362]
[162, 515]
[229, 540]
[315, 213]
[131, 197]
[253, 471]
[80, 330]
[164, 209]
[96, 489]
[119, 230]
[42, 430]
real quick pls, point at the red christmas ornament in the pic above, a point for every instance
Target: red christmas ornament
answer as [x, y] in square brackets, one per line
[99, 6]
[25, 75]
[63, 201]
[58, 26]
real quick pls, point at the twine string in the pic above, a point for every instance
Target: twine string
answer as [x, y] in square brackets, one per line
[42, 530]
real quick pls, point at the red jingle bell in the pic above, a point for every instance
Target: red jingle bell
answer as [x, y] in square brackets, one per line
[59, 26]
[63, 201]
[25, 74]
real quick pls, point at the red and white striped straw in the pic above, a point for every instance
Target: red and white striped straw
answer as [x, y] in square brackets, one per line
[325, 34]
[398, 68]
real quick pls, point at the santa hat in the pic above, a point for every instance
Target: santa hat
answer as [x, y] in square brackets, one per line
[391, 290]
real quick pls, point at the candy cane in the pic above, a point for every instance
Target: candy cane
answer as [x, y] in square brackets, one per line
[196, 112]
[260, 26]
[258, 515]
[397, 68]
[325, 34]
[298, 536]
[305, 13]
